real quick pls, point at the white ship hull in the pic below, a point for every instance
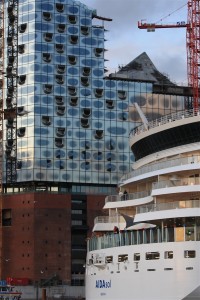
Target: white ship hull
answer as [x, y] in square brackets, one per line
[175, 279]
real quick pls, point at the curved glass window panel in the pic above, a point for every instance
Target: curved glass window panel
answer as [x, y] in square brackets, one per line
[81, 134]
[60, 131]
[123, 116]
[123, 105]
[116, 130]
[60, 7]
[110, 83]
[59, 100]
[98, 114]
[73, 30]
[72, 90]
[80, 51]
[85, 165]
[60, 39]
[98, 52]
[85, 144]
[85, 81]
[59, 79]
[22, 79]
[61, 90]
[72, 59]
[73, 9]
[110, 115]
[85, 103]
[46, 57]
[98, 72]
[110, 104]
[89, 41]
[19, 165]
[110, 167]
[41, 47]
[73, 71]
[21, 132]
[73, 101]
[110, 94]
[85, 155]
[41, 131]
[21, 111]
[46, 120]
[61, 28]
[85, 92]
[98, 83]
[73, 81]
[98, 155]
[72, 19]
[86, 112]
[98, 134]
[59, 142]
[98, 31]
[110, 145]
[122, 95]
[48, 37]
[60, 48]
[85, 30]
[98, 93]
[46, 15]
[85, 123]
[60, 19]
[98, 104]
[89, 62]
[48, 88]
[21, 48]
[85, 21]
[73, 39]
[60, 110]
[22, 27]
[86, 71]
[59, 153]
[46, 6]
[72, 112]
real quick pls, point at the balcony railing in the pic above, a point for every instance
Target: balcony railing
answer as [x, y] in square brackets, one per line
[168, 206]
[162, 165]
[124, 197]
[176, 182]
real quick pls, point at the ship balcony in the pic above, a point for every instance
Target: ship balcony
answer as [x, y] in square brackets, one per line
[182, 163]
[176, 185]
[107, 223]
[127, 200]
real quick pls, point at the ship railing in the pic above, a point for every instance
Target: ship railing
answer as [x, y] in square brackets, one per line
[175, 182]
[164, 120]
[161, 165]
[124, 197]
[159, 234]
[168, 206]
[109, 219]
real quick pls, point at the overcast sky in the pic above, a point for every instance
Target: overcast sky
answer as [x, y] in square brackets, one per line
[165, 47]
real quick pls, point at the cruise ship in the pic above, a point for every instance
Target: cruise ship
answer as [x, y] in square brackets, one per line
[147, 244]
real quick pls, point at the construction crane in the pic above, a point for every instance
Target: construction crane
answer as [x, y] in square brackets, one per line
[192, 43]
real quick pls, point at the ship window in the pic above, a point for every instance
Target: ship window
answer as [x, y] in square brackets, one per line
[46, 16]
[168, 269]
[152, 255]
[151, 270]
[122, 257]
[109, 259]
[168, 254]
[136, 256]
[189, 253]
[189, 268]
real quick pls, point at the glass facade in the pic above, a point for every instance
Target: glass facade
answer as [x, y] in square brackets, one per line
[73, 123]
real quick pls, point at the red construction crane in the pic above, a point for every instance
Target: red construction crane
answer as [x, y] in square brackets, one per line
[192, 42]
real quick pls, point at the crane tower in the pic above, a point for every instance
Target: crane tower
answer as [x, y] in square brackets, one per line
[192, 43]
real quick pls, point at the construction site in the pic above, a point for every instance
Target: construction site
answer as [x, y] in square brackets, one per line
[64, 130]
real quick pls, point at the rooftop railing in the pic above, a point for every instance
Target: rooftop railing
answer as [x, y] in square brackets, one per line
[164, 120]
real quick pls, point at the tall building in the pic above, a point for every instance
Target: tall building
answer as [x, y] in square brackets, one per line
[65, 132]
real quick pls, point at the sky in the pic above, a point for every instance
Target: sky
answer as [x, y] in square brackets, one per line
[165, 47]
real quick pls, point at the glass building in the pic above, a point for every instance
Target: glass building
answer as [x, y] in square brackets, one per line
[66, 126]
